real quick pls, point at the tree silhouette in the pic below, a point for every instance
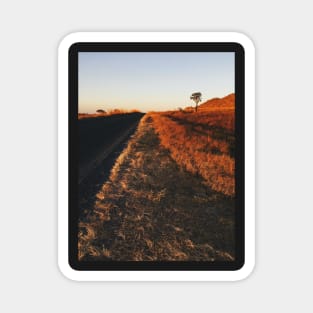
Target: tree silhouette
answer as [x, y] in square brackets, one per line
[100, 111]
[196, 97]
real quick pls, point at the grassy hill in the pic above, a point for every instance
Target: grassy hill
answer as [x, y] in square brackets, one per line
[225, 102]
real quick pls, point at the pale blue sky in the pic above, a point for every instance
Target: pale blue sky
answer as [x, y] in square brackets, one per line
[150, 81]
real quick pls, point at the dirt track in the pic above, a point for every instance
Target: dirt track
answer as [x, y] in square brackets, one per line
[101, 142]
[100, 137]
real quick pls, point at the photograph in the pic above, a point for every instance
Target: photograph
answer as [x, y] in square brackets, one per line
[156, 157]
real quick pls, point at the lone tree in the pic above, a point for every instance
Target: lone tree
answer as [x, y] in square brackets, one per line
[196, 97]
[100, 111]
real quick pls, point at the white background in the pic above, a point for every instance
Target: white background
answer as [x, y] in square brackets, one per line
[30, 33]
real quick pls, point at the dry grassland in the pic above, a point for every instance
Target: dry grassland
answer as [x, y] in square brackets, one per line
[203, 143]
[109, 113]
[161, 202]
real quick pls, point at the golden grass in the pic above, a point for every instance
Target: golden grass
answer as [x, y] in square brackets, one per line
[203, 143]
[152, 209]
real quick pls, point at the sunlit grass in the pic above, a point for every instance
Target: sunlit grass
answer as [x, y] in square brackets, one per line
[203, 143]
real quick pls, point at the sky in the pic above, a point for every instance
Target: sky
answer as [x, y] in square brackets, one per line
[152, 81]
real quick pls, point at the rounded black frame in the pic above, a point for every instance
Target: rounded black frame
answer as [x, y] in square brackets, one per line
[239, 155]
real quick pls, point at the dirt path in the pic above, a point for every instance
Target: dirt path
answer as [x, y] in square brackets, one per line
[99, 137]
[95, 175]
[107, 150]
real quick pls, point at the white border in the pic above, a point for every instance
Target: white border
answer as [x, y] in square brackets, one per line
[249, 156]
